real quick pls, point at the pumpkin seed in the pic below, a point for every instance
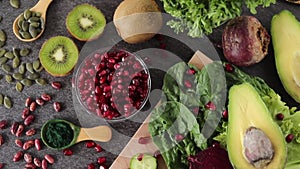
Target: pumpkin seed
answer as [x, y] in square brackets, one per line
[7, 102]
[1, 99]
[8, 78]
[29, 67]
[38, 14]
[24, 52]
[26, 82]
[22, 68]
[3, 60]
[2, 52]
[33, 32]
[34, 24]
[36, 64]
[6, 68]
[2, 43]
[16, 52]
[19, 87]
[40, 69]
[9, 55]
[16, 62]
[41, 81]
[18, 76]
[25, 26]
[25, 35]
[42, 23]
[15, 3]
[2, 36]
[33, 76]
[27, 14]
[33, 19]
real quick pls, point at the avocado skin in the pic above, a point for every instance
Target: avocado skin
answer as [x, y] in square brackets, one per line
[285, 31]
[246, 109]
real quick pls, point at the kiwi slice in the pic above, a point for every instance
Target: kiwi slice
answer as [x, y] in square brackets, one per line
[85, 22]
[59, 55]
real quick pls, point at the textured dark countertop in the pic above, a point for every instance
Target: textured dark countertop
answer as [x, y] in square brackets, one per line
[57, 13]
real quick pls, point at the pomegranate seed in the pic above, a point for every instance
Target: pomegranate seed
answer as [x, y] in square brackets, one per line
[157, 154]
[280, 116]
[225, 114]
[289, 138]
[191, 71]
[140, 157]
[210, 106]
[179, 137]
[101, 160]
[102, 167]
[229, 68]
[98, 148]
[90, 144]
[1, 165]
[91, 166]
[187, 84]
[144, 140]
[67, 152]
[3, 124]
[195, 111]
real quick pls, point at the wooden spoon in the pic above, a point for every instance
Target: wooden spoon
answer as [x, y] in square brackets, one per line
[294, 1]
[41, 7]
[99, 133]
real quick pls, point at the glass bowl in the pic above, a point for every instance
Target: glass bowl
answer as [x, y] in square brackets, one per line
[114, 84]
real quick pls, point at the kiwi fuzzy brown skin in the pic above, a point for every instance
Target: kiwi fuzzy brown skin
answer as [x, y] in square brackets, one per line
[138, 31]
[84, 39]
[45, 67]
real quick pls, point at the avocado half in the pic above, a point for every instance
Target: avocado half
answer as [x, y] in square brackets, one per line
[254, 140]
[285, 31]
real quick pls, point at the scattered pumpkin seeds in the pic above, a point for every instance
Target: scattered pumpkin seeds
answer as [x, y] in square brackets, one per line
[3, 60]
[7, 102]
[26, 82]
[33, 76]
[39, 69]
[1, 99]
[22, 68]
[36, 64]
[17, 76]
[6, 68]
[2, 52]
[9, 55]
[16, 62]
[16, 52]
[15, 3]
[8, 78]
[41, 81]
[29, 67]
[24, 52]
[2, 36]
[19, 87]
[2, 43]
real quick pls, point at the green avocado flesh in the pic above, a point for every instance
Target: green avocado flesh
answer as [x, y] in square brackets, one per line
[285, 31]
[249, 114]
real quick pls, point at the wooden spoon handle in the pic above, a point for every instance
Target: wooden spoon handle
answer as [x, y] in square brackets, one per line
[41, 6]
[99, 133]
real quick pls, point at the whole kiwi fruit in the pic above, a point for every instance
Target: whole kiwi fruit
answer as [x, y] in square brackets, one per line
[137, 20]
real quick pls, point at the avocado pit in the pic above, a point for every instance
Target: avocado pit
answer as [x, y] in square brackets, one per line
[258, 148]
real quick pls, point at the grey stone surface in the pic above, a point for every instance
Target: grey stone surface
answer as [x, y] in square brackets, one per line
[55, 26]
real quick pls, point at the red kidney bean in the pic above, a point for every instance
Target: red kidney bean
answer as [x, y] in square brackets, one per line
[30, 166]
[57, 106]
[25, 113]
[37, 162]
[28, 144]
[1, 140]
[14, 127]
[19, 143]
[37, 144]
[20, 130]
[27, 158]
[56, 85]
[40, 101]
[3, 124]
[30, 132]
[44, 164]
[29, 120]
[18, 156]
[32, 106]
[28, 102]
[49, 158]
[46, 97]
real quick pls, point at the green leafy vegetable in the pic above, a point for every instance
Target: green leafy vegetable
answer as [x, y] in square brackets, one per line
[200, 17]
[58, 134]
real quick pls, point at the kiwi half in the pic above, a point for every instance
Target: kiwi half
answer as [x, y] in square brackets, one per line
[59, 55]
[85, 22]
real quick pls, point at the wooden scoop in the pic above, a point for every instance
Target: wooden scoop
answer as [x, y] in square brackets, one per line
[41, 7]
[99, 133]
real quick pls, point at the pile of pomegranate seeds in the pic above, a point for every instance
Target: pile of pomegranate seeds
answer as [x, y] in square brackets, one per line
[113, 84]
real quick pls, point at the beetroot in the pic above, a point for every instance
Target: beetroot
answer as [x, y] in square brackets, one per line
[214, 157]
[245, 41]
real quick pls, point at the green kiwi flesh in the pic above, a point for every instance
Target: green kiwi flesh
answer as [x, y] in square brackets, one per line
[59, 55]
[85, 22]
